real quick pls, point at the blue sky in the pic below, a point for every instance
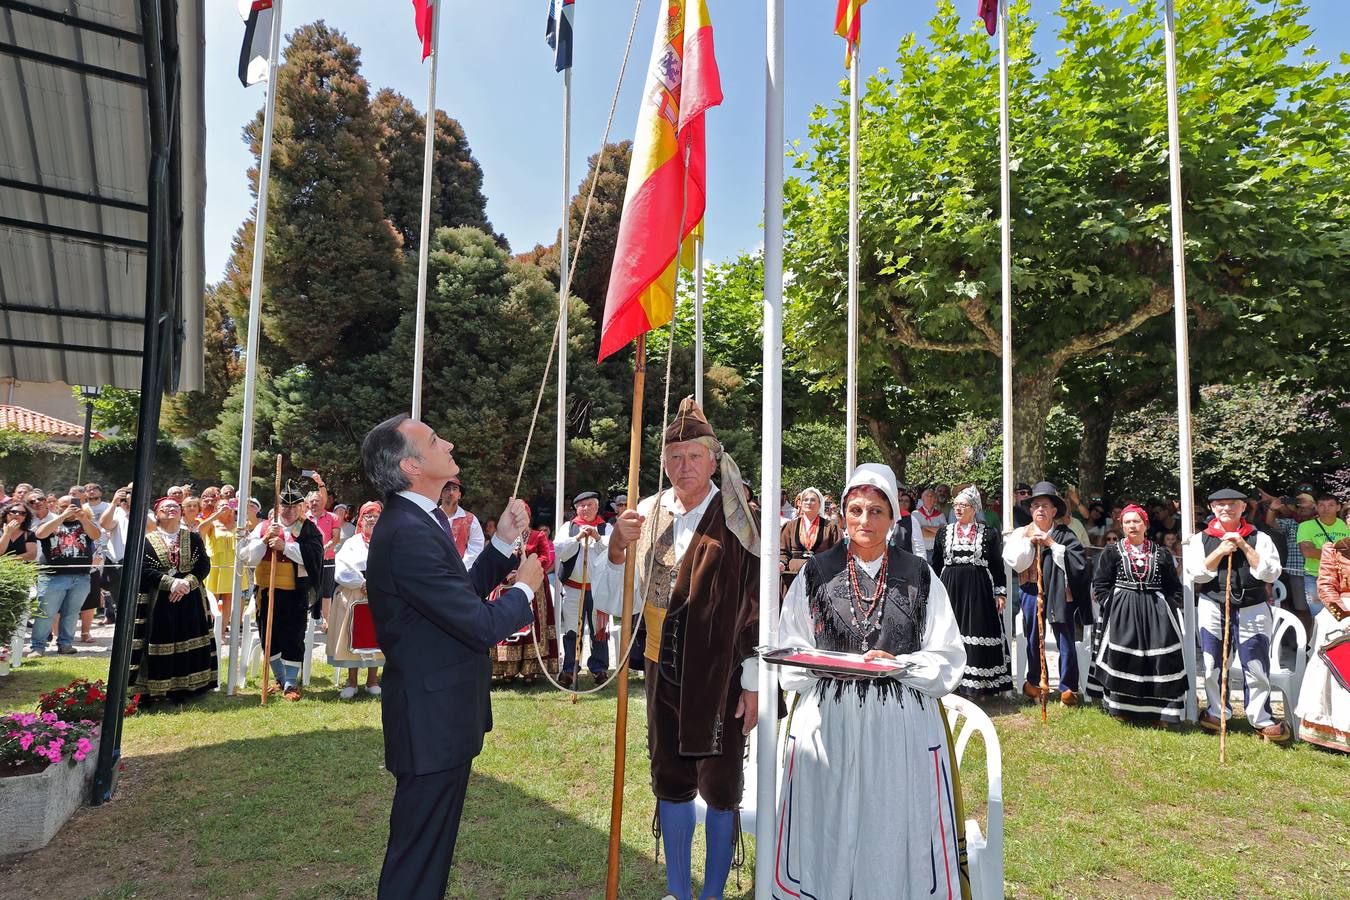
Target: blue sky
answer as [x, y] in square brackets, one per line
[496, 76]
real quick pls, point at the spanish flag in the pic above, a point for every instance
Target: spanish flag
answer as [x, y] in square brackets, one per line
[682, 84]
[848, 25]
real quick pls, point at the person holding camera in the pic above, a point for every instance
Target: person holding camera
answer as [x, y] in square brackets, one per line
[68, 540]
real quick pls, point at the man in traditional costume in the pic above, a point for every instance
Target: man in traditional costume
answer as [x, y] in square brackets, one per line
[697, 576]
[295, 549]
[1066, 581]
[577, 548]
[1231, 564]
[464, 525]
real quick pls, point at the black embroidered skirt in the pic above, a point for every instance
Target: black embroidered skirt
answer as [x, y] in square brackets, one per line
[173, 647]
[988, 669]
[1137, 669]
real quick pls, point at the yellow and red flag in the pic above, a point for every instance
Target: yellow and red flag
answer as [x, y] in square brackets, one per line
[667, 175]
[848, 25]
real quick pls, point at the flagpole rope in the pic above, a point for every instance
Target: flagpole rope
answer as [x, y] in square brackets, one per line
[576, 254]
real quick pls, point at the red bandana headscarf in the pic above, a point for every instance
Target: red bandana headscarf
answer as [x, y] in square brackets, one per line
[1135, 508]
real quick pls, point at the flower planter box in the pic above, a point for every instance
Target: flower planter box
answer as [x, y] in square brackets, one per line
[34, 807]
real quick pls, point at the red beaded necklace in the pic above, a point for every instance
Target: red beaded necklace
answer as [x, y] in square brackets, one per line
[1141, 558]
[866, 607]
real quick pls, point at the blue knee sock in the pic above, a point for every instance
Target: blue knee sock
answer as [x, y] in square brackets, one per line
[721, 833]
[292, 675]
[677, 835]
[278, 670]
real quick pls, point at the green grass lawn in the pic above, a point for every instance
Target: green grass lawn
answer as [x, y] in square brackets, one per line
[225, 798]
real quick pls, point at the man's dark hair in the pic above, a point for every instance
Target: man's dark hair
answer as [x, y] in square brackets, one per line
[382, 451]
[1325, 496]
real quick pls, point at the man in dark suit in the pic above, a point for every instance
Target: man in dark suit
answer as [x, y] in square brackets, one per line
[435, 629]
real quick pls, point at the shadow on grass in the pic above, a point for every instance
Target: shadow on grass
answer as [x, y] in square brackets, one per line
[304, 815]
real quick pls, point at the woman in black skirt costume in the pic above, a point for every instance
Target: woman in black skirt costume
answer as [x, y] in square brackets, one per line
[968, 557]
[1137, 671]
[173, 647]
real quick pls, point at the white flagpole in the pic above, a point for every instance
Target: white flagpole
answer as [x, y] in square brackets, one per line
[428, 157]
[236, 672]
[698, 321]
[851, 403]
[564, 286]
[1005, 227]
[772, 449]
[1183, 347]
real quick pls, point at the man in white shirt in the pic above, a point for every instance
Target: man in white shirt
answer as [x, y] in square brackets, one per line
[464, 525]
[930, 518]
[1231, 564]
[696, 574]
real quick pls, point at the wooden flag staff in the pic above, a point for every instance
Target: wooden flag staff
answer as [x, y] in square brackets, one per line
[625, 627]
[271, 591]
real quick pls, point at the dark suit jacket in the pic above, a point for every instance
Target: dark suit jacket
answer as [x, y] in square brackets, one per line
[435, 630]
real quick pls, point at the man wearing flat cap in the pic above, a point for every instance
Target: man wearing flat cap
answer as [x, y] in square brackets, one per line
[295, 549]
[579, 545]
[1066, 581]
[1230, 560]
[697, 586]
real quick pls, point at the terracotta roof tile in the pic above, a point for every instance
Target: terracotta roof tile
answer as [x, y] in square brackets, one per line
[17, 418]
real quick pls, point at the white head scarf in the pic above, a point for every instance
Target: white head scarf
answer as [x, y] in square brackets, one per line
[878, 476]
[972, 496]
[820, 498]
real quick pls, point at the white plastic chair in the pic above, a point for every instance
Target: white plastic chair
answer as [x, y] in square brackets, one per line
[1286, 680]
[984, 847]
[1279, 592]
[1084, 651]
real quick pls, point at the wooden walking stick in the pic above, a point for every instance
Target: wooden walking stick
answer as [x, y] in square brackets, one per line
[1223, 676]
[581, 611]
[1040, 624]
[625, 629]
[271, 591]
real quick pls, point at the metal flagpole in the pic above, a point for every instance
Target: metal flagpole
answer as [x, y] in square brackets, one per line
[564, 286]
[1183, 348]
[238, 668]
[1005, 227]
[698, 322]
[772, 448]
[428, 157]
[851, 404]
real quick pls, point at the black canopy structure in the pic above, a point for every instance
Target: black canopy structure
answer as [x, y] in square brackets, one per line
[102, 190]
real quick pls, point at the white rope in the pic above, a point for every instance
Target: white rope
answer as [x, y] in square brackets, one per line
[576, 254]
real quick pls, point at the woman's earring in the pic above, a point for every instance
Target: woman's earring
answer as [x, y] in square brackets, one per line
[845, 538]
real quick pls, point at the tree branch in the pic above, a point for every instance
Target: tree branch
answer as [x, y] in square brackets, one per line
[978, 314]
[910, 335]
[1159, 301]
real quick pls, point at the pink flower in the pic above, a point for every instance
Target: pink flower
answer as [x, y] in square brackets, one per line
[25, 740]
[49, 718]
[83, 745]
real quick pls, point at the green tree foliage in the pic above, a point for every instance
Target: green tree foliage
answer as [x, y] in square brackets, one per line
[489, 325]
[1269, 434]
[115, 409]
[456, 178]
[332, 256]
[1266, 217]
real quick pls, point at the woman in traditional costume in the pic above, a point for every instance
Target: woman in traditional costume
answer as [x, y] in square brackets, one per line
[869, 803]
[349, 571]
[515, 657]
[173, 646]
[1138, 671]
[1323, 709]
[968, 557]
[805, 536]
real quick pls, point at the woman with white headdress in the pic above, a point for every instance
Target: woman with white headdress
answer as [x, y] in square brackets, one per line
[805, 536]
[869, 793]
[968, 557]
